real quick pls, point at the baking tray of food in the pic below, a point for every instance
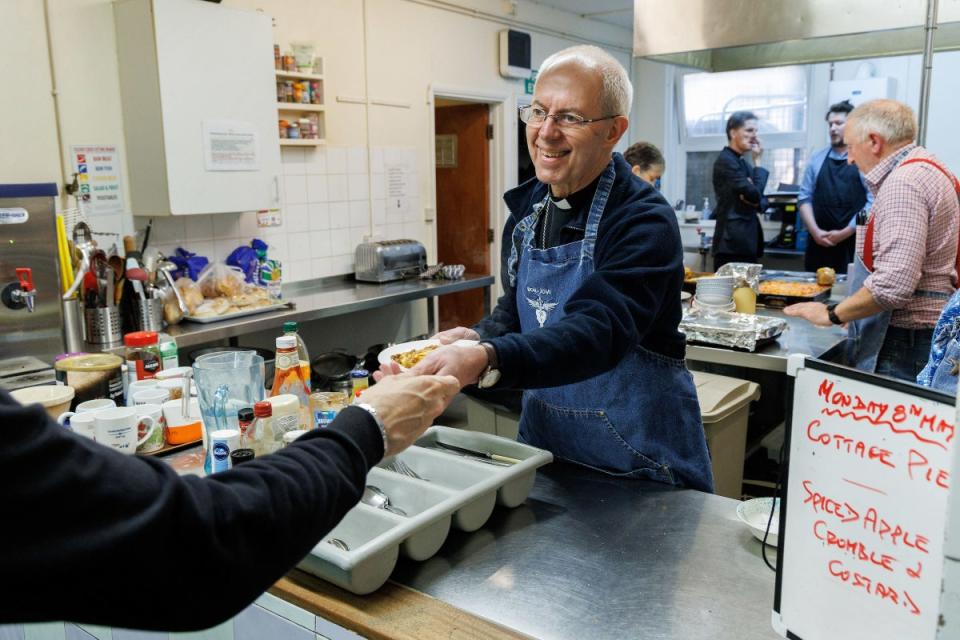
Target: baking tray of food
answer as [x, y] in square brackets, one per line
[785, 291]
[740, 331]
[240, 313]
[449, 478]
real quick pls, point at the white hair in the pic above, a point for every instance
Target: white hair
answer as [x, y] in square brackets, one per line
[891, 120]
[616, 94]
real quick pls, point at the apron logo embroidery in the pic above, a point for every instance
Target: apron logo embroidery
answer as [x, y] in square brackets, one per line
[541, 308]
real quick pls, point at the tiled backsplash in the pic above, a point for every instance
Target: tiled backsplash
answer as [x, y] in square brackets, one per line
[329, 202]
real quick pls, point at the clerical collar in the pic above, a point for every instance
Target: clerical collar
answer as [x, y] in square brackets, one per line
[578, 199]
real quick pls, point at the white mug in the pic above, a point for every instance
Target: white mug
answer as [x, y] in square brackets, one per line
[90, 405]
[85, 424]
[117, 428]
[139, 385]
[173, 386]
[155, 395]
[155, 437]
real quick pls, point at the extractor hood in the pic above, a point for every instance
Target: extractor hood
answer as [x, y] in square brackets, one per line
[724, 35]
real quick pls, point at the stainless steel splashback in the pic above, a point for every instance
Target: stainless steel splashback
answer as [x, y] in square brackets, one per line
[31, 243]
[721, 35]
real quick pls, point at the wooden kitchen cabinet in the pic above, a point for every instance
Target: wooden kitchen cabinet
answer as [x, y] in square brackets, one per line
[199, 111]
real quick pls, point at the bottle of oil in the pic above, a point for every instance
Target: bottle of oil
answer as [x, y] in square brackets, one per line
[290, 329]
[288, 378]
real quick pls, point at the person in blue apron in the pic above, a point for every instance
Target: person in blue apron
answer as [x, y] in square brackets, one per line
[908, 255]
[592, 268]
[832, 193]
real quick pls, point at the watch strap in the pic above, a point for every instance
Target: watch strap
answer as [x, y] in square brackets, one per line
[373, 412]
[832, 313]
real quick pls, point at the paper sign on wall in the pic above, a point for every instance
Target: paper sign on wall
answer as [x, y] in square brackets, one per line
[98, 176]
[230, 145]
[397, 189]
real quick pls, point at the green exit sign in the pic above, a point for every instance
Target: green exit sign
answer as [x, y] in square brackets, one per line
[529, 82]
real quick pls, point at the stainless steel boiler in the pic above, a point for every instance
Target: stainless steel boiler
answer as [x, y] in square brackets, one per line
[30, 312]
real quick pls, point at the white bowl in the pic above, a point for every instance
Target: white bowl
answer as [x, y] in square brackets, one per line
[54, 398]
[755, 514]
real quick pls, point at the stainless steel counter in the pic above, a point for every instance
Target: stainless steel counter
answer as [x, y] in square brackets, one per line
[325, 298]
[589, 556]
[800, 337]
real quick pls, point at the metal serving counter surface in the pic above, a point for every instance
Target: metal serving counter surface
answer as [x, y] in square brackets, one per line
[591, 556]
[325, 298]
[800, 337]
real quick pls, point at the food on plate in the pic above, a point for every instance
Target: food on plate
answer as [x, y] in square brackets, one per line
[792, 289]
[826, 276]
[408, 359]
[687, 272]
[212, 307]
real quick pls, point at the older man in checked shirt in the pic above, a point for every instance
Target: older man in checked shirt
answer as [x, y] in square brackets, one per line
[906, 263]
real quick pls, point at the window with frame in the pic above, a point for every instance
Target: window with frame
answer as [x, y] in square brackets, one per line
[778, 96]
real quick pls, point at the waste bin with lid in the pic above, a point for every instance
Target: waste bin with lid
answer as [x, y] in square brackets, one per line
[724, 408]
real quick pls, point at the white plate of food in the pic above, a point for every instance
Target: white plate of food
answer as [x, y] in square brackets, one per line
[755, 514]
[408, 354]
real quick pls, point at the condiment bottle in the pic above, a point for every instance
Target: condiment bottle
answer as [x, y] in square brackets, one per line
[745, 300]
[325, 406]
[360, 380]
[260, 433]
[286, 417]
[142, 355]
[245, 420]
[289, 379]
[290, 329]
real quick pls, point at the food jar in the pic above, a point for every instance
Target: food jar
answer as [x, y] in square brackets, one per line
[284, 125]
[293, 130]
[92, 376]
[305, 129]
[142, 355]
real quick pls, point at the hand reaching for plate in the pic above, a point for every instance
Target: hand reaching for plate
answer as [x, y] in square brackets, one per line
[464, 362]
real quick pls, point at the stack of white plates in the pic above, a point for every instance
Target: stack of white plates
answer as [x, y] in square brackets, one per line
[717, 290]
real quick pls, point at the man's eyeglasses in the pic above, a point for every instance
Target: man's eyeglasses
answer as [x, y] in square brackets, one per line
[535, 117]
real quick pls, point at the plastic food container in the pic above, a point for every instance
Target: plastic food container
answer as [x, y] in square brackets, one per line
[54, 398]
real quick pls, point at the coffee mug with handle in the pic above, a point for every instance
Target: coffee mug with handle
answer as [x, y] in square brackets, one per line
[156, 395]
[117, 428]
[85, 424]
[84, 407]
[134, 387]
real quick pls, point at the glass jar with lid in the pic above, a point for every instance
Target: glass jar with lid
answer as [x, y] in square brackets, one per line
[142, 355]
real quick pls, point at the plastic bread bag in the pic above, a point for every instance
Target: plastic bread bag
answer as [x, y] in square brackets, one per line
[217, 279]
[190, 292]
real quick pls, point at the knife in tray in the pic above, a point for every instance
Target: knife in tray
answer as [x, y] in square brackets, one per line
[483, 456]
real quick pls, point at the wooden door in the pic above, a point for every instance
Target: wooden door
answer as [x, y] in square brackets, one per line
[463, 208]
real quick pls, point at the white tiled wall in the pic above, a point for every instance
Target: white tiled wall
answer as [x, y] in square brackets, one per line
[331, 199]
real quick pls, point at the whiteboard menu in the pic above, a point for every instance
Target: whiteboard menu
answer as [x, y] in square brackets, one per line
[862, 525]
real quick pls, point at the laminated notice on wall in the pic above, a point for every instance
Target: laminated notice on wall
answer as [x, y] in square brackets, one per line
[230, 145]
[97, 167]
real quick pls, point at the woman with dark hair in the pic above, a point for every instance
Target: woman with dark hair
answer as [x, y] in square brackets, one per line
[739, 190]
[646, 162]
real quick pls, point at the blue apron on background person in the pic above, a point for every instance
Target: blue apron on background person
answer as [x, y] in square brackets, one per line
[837, 197]
[640, 419]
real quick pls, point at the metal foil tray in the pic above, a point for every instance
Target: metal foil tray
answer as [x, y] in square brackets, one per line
[452, 490]
[731, 329]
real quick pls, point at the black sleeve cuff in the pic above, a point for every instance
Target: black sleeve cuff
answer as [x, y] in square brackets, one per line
[362, 429]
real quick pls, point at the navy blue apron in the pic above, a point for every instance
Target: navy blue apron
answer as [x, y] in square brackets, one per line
[837, 197]
[640, 419]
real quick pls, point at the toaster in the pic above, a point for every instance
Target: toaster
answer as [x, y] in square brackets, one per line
[386, 260]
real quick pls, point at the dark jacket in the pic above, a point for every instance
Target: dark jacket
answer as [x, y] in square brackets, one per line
[633, 296]
[739, 191]
[92, 535]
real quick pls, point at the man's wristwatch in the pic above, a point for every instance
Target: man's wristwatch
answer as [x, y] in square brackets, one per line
[373, 412]
[491, 375]
[832, 313]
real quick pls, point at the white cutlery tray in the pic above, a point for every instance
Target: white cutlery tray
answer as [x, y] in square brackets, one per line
[454, 490]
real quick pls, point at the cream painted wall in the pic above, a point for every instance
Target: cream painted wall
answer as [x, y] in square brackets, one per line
[28, 137]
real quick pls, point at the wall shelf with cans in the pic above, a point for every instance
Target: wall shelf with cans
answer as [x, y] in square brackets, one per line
[300, 106]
